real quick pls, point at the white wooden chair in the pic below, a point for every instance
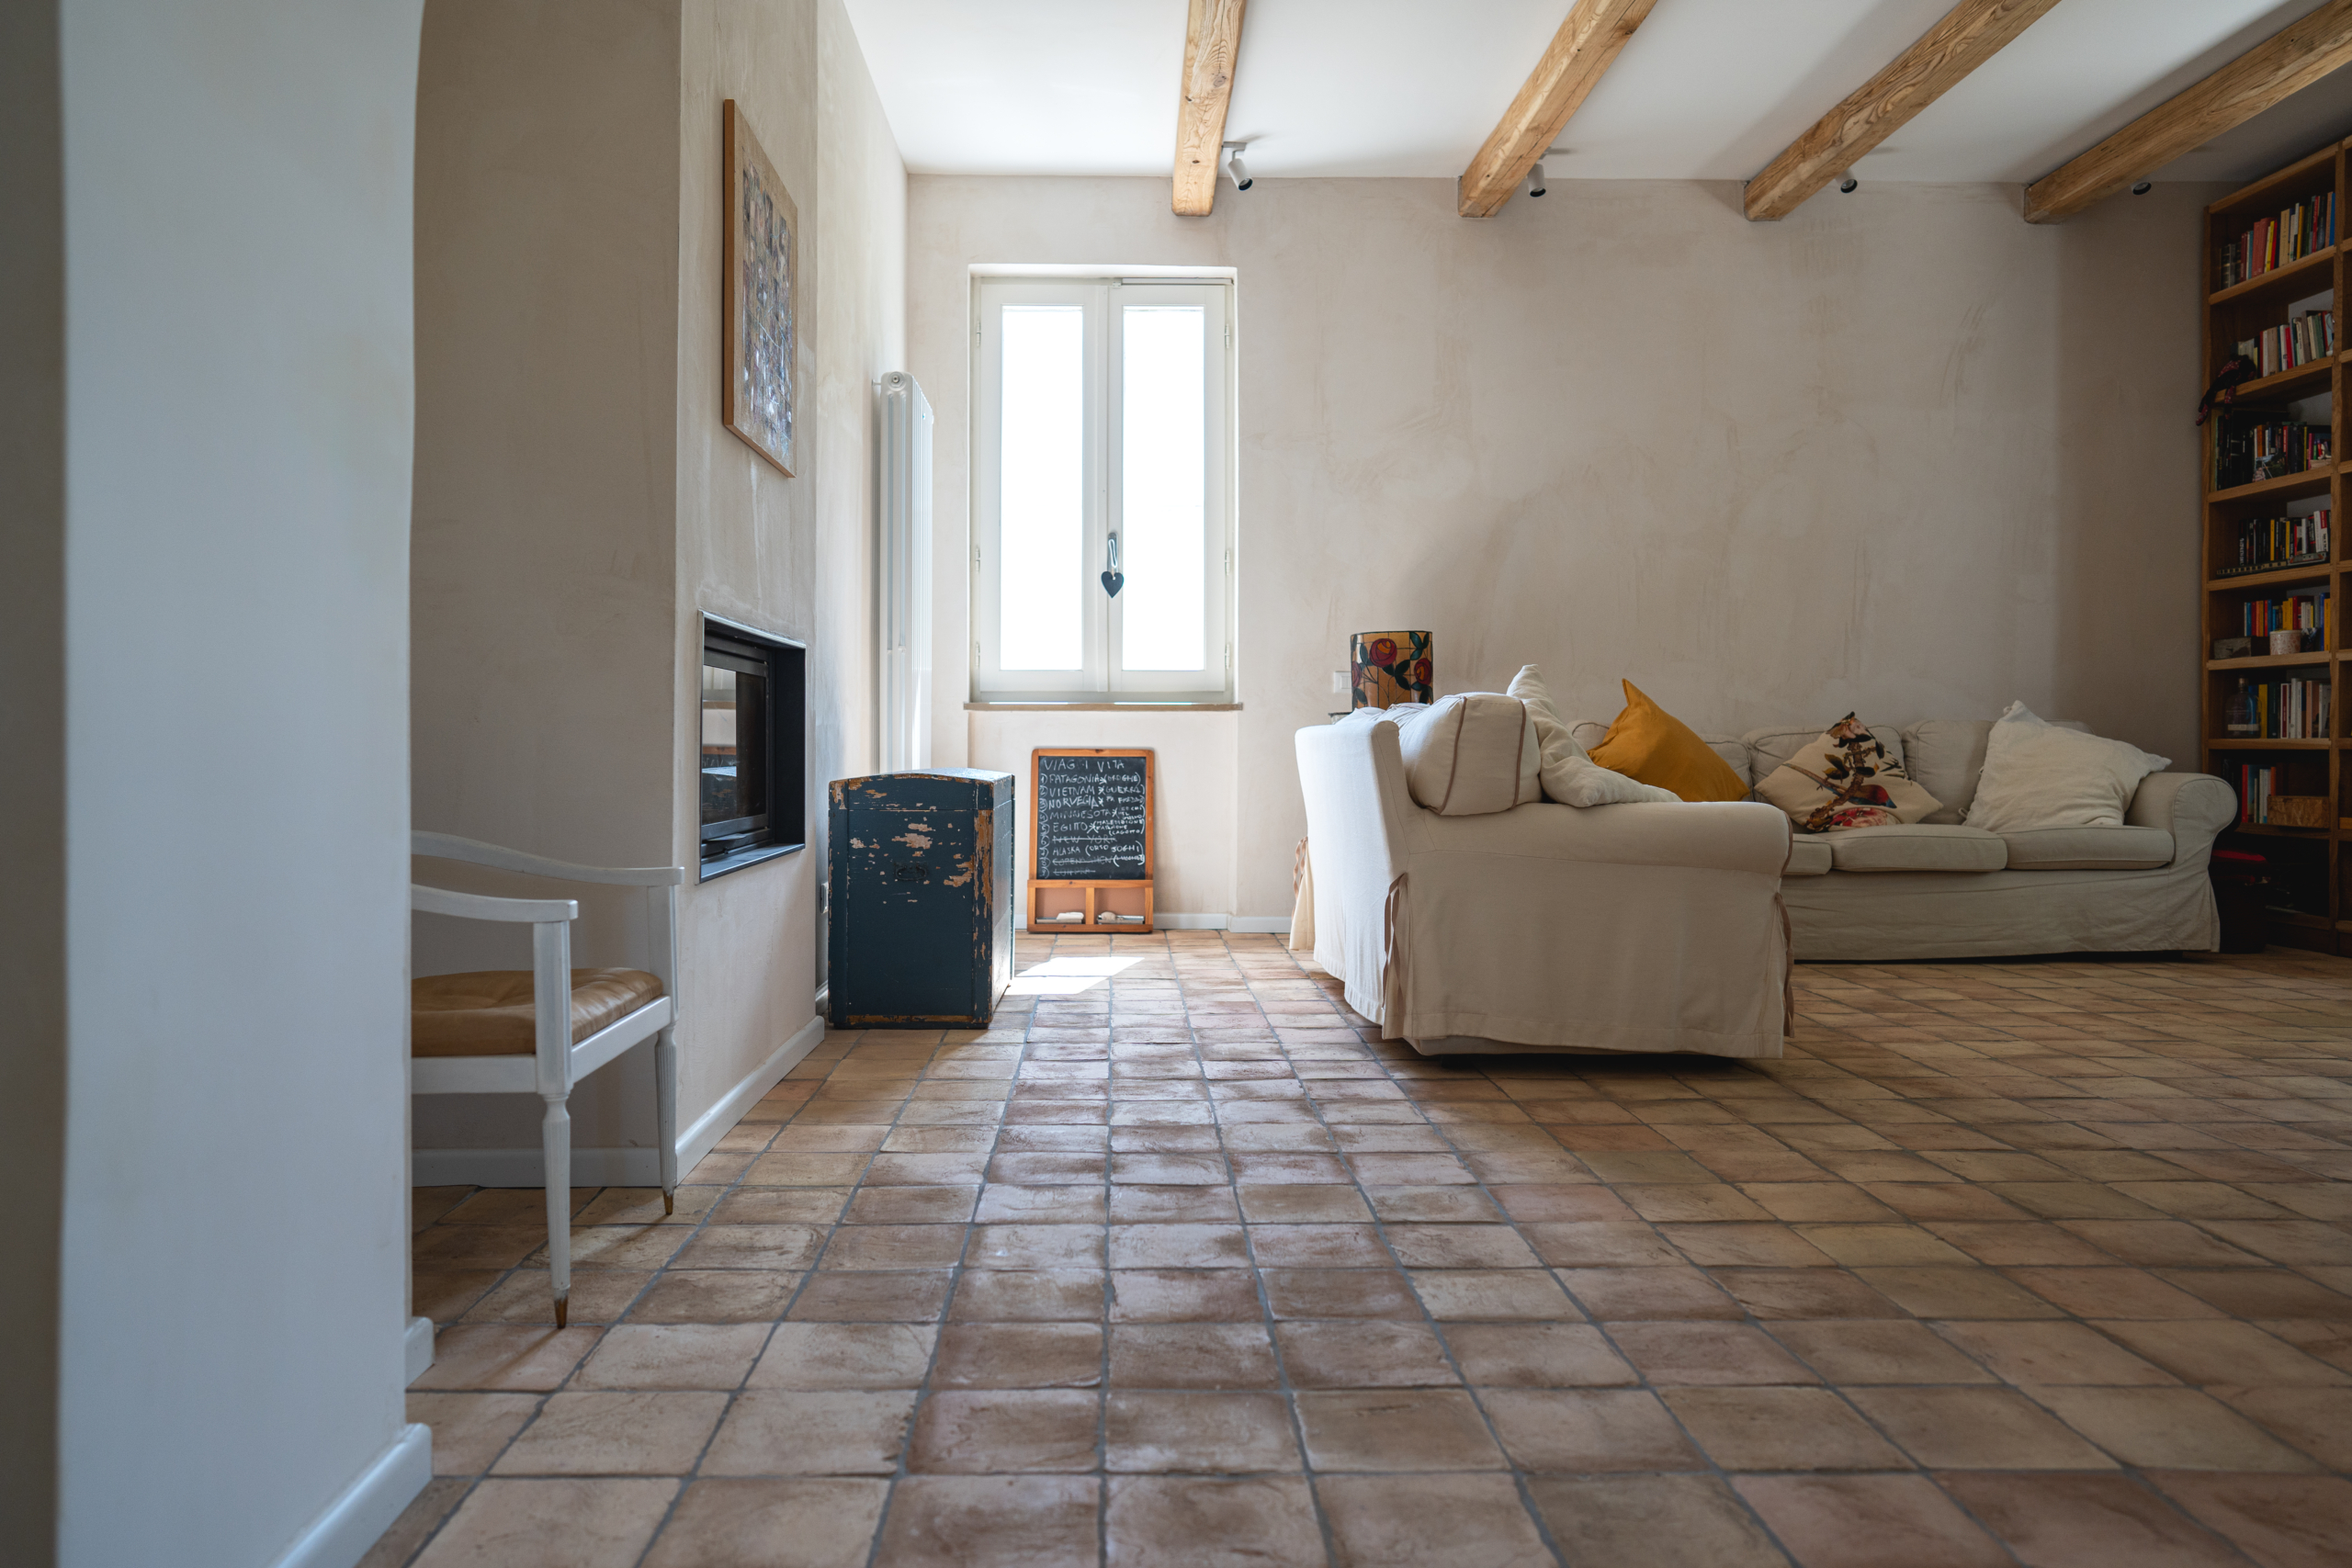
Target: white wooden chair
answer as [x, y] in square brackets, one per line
[506, 1032]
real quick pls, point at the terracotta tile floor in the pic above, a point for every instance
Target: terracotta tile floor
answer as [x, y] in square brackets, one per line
[2041, 1262]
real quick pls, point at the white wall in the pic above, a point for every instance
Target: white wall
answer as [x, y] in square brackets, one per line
[580, 506]
[1901, 452]
[238, 430]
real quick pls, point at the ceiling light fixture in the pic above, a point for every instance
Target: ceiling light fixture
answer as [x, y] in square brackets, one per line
[1848, 186]
[1235, 168]
[1535, 179]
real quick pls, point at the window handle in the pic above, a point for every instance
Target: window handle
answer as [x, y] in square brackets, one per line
[1112, 577]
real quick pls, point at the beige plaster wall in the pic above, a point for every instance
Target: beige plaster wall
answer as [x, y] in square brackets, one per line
[788, 556]
[1901, 452]
[590, 506]
[1195, 826]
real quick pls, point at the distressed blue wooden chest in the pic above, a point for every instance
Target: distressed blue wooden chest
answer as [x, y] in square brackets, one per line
[921, 895]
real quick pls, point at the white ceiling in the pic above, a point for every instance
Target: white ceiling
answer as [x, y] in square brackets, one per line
[1707, 89]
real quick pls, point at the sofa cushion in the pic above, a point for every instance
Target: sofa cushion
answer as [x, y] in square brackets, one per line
[1943, 756]
[1648, 743]
[1471, 754]
[1845, 779]
[1917, 846]
[1808, 856]
[2039, 775]
[1774, 745]
[1567, 775]
[2089, 848]
[1589, 733]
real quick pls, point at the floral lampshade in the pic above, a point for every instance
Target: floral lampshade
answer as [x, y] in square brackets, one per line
[1388, 667]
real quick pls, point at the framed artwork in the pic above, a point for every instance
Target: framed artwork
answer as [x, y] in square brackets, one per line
[759, 334]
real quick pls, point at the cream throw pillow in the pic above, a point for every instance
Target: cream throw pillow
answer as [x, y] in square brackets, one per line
[1845, 779]
[1470, 754]
[2038, 775]
[1567, 775]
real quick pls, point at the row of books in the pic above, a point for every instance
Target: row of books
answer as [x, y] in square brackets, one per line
[2255, 787]
[2293, 709]
[2308, 337]
[2244, 453]
[2267, 544]
[2307, 227]
[2292, 613]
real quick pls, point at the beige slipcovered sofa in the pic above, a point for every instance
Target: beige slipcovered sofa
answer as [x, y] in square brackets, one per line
[1650, 927]
[1939, 889]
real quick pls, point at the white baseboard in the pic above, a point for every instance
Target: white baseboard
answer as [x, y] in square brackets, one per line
[1171, 921]
[714, 1124]
[340, 1537]
[618, 1167]
[420, 1348]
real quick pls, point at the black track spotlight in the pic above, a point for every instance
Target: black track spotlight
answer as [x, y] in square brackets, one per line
[2141, 188]
[1235, 167]
[1535, 179]
[1848, 186]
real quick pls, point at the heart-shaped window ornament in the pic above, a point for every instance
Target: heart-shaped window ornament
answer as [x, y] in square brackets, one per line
[1112, 577]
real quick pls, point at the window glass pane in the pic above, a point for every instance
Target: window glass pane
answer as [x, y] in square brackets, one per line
[734, 746]
[1163, 488]
[1042, 501]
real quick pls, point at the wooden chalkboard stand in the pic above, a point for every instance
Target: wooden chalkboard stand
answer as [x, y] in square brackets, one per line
[1091, 897]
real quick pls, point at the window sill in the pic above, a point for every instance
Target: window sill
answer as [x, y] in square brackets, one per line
[1102, 707]
[742, 858]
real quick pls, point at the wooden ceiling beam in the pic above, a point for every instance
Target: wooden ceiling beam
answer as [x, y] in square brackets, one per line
[1572, 65]
[1212, 46]
[2277, 68]
[1970, 34]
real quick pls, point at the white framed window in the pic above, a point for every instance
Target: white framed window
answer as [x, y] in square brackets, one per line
[1102, 444]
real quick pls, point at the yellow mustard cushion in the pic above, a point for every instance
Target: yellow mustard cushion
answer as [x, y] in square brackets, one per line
[1651, 745]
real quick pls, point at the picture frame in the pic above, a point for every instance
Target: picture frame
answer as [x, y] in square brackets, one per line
[759, 326]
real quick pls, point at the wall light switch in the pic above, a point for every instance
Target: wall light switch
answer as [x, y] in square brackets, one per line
[1339, 681]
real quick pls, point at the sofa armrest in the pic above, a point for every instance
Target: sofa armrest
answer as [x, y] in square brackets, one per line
[1706, 836]
[2192, 807]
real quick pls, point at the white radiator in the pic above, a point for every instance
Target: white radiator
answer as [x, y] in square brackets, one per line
[902, 577]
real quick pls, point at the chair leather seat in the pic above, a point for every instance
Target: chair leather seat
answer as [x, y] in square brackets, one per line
[488, 1013]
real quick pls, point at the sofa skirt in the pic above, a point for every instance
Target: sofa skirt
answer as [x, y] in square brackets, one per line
[1894, 916]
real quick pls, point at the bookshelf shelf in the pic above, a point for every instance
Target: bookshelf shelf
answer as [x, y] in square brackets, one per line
[2305, 380]
[2285, 577]
[2310, 870]
[2305, 270]
[2273, 660]
[2311, 480]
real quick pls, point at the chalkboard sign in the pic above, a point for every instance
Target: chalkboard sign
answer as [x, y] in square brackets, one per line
[1091, 815]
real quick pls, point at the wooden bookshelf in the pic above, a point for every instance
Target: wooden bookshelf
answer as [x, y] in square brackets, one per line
[2311, 868]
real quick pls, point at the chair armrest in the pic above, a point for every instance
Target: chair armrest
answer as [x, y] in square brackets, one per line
[1708, 836]
[448, 846]
[2192, 807]
[482, 906]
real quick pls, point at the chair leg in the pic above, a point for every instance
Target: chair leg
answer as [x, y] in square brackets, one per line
[555, 1138]
[665, 1103]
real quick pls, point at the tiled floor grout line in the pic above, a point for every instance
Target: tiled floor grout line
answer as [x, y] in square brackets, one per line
[702, 1454]
[2046, 1094]
[1445, 1347]
[1600, 1327]
[1285, 1390]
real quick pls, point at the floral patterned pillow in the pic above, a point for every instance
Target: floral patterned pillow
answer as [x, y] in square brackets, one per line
[1845, 780]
